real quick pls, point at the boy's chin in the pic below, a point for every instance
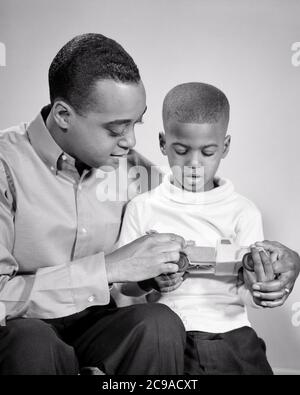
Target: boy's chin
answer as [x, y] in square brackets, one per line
[193, 185]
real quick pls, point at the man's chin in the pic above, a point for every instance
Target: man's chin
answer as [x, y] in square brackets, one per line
[112, 163]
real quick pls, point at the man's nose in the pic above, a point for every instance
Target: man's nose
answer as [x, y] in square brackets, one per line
[128, 141]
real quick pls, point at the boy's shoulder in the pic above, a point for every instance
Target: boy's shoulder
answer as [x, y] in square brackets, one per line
[245, 204]
[144, 198]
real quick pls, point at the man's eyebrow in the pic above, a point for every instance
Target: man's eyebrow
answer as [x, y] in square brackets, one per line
[124, 121]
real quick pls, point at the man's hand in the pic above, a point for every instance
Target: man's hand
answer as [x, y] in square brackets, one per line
[283, 264]
[147, 257]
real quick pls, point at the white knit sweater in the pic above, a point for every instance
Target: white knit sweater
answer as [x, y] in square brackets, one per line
[204, 302]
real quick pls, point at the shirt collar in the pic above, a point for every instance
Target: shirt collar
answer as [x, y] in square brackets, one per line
[42, 141]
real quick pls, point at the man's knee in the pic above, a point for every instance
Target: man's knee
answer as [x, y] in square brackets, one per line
[31, 346]
[159, 322]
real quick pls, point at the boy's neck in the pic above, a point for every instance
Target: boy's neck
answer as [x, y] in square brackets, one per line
[210, 185]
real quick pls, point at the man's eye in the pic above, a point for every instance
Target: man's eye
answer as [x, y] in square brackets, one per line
[113, 133]
[208, 153]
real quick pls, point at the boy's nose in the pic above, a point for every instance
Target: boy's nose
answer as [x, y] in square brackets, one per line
[195, 160]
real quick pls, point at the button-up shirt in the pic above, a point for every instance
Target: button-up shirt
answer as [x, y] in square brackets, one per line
[55, 226]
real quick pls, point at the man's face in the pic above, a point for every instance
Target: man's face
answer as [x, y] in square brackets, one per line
[101, 136]
[194, 152]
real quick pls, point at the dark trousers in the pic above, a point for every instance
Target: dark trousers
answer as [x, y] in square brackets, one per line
[239, 352]
[140, 339]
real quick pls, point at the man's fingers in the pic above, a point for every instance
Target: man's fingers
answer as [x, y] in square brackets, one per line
[165, 247]
[272, 296]
[168, 237]
[272, 286]
[169, 256]
[275, 303]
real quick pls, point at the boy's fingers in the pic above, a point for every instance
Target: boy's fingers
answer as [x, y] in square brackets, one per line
[171, 288]
[168, 268]
[267, 264]
[258, 266]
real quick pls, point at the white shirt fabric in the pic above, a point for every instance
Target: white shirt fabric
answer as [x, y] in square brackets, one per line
[204, 302]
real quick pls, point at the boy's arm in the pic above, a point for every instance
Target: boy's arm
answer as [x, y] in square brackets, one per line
[249, 230]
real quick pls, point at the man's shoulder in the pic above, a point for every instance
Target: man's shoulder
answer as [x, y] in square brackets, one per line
[12, 138]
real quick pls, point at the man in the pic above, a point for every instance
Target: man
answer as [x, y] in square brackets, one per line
[56, 235]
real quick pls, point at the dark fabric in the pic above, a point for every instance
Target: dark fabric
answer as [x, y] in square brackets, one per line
[239, 352]
[140, 339]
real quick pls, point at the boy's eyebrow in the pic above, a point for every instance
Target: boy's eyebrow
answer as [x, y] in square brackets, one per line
[124, 121]
[212, 145]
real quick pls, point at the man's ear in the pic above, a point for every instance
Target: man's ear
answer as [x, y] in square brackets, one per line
[62, 113]
[226, 146]
[162, 143]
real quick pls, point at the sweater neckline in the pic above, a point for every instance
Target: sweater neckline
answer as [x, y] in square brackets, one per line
[223, 190]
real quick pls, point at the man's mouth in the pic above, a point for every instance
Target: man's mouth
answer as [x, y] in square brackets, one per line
[119, 155]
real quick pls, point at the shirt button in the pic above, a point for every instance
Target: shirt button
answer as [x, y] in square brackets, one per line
[64, 157]
[84, 230]
[91, 298]
[79, 187]
[52, 168]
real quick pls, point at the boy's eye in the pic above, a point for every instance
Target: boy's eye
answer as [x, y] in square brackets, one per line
[208, 153]
[181, 152]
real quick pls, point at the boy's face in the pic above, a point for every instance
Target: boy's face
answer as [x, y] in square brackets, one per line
[194, 152]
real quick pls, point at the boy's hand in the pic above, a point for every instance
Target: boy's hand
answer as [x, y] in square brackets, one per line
[147, 257]
[164, 283]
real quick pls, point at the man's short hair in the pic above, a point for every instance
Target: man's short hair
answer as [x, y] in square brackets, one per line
[195, 102]
[82, 62]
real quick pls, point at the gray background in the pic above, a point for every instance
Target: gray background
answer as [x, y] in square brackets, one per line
[243, 47]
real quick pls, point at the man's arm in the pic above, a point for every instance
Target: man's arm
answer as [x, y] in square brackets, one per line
[72, 286]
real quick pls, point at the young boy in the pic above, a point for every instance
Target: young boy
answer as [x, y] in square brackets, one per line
[199, 206]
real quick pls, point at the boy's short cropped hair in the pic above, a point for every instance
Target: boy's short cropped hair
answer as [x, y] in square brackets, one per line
[195, 102]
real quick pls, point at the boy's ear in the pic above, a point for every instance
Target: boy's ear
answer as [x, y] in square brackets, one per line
[62, 113]
[226, 146]
[162, 143]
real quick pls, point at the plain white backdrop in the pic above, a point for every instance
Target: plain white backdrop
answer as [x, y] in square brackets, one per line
[244, 47]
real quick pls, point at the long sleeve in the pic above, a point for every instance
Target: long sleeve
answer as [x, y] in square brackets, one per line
[131, 230]
[249, 230]
[50, 291]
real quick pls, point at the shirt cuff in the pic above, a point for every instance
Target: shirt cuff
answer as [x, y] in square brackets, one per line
[89, 282]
